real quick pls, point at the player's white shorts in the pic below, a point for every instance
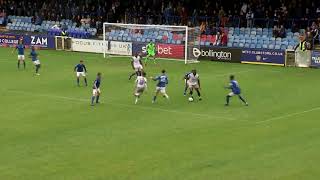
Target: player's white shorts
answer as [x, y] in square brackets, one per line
[96, 91]
[232, 94]
[83, 74]
[36, 62]
[161, 89]
[139, 91]
[193, 86]
[138, 67]
[21, 57]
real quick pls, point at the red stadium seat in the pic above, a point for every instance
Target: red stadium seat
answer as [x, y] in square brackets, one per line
[175, 37]
[165, 37]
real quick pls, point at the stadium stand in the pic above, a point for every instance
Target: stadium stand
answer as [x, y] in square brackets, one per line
[246, 24]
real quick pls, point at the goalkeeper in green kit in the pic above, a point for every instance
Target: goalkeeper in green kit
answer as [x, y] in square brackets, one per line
[151, 52]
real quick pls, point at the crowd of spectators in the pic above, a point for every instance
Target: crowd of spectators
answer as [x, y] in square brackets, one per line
[294, 14]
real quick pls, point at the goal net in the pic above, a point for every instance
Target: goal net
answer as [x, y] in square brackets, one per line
[172, 42]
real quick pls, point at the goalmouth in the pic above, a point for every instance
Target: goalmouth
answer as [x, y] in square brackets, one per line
[172, 42]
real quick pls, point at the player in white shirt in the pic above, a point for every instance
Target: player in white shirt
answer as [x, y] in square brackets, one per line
[193, 81]
[141, 86]
[136, 64]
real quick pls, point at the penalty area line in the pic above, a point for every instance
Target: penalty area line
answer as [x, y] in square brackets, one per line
[288, 115]
[111, 102]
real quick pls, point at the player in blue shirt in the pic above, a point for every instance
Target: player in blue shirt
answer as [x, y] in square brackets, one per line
[186, 76]
[96, 90]
[34, 57]
[81, 70]
[20, 47]
[161, 85]
[235, 90]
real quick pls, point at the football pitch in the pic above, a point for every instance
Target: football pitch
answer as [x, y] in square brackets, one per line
[49, 131]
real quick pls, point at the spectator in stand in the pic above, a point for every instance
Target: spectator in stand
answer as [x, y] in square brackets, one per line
[218, 39]
[318, 11]
[294, 27]
[275, 31]
[315, 32]
[162, 12]
[184, 16]
[309, 39]
[203, 27]
[224, 39]
[244, 9]
[249, 17]
[221, 13]
[282, 32]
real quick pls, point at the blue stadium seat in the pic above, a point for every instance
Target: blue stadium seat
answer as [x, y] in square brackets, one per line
[278, 42]
[271, 46]
[290, 47]
[283, 47]
[286, 43]
[265, 46]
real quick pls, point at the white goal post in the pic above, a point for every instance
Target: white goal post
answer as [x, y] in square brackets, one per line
[172, 42]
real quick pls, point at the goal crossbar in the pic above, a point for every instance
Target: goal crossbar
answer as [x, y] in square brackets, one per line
[169, 28]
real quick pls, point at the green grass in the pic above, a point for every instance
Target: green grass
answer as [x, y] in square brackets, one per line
[49, 130]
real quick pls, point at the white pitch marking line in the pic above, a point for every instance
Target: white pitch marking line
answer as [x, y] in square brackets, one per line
[288, 115]
[127, 105]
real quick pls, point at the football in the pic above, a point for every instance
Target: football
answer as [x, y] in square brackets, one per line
[190, 99]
